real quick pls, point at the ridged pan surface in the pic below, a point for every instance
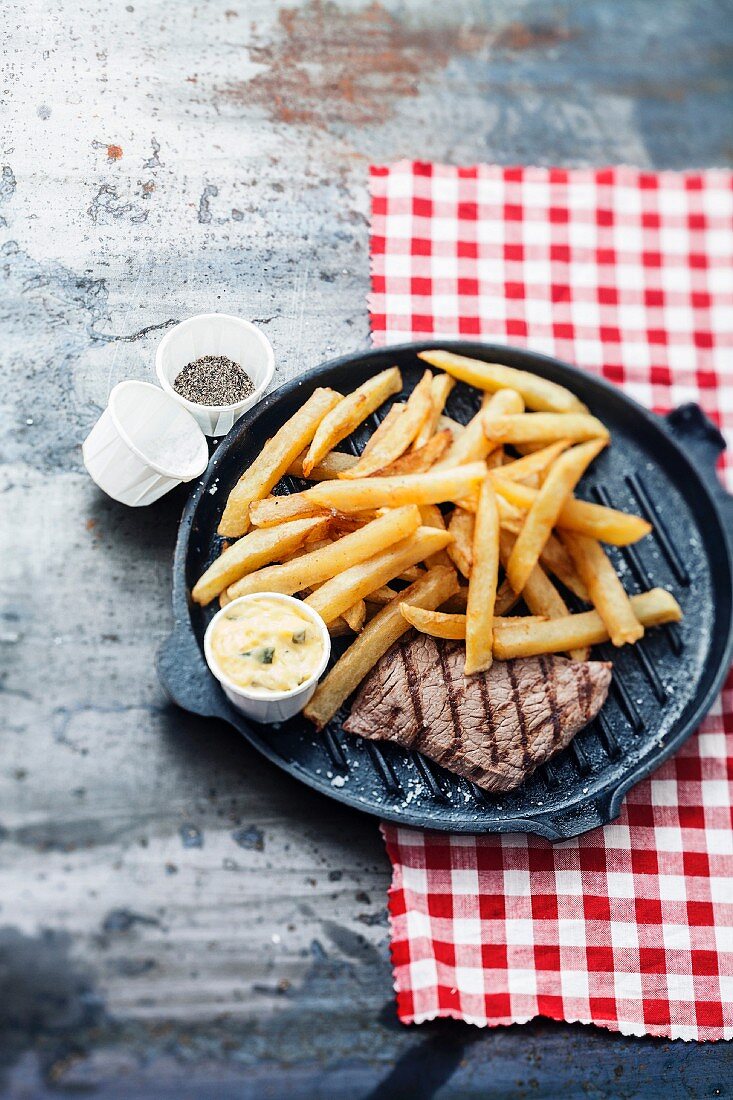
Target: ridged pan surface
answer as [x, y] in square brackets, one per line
[661, 688]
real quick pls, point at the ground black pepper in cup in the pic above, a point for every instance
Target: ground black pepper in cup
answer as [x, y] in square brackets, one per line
[213, 380]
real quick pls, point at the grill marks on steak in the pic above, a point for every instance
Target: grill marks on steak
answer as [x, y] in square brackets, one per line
[494, 728]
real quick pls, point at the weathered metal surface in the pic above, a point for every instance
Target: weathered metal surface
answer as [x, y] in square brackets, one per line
[176, 917]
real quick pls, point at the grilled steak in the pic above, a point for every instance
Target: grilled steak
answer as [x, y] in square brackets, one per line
[494, 728]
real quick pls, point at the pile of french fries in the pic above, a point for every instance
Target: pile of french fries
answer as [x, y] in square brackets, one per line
[509, 527]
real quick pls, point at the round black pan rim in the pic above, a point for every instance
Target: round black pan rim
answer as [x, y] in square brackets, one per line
[607, 806]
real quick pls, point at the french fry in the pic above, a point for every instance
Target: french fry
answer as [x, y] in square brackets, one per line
[417, 408]
[439, 624]
[556, 560]
[543, 599]
[256, 549]
[431, 516]
[306, 548]
[273, 460]
[495, 459]
[440, 388]
[379, 597]
[399, 436]
[320, 565]
[393, 414]
[497, 405]
[472, 444]
[537, 392]
[506, 598]
[576, 631]
[528, 448]
[413, 573]
[419, 461]
[433, 487]
[273, 511]
[356, 582]
[339, 627]
[408, 575]
[510, 517]
[482, 583]
[535, 463]
[224, 599]
[546, 507]
[606, 592]
[330, 466]
[349, 413]
[384, 630]
[593, 520]
[460, 551]
[453, 425]
[520, 637]
[355, 616]
[343, 523]
[382, 595]
[540, 594]
[544, 428]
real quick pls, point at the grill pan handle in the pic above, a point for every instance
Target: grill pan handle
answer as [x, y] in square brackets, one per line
[704, 442]
[581, 818]
[184, 676]
[593, 813]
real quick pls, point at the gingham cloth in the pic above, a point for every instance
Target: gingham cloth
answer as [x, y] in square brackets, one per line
[628, 274]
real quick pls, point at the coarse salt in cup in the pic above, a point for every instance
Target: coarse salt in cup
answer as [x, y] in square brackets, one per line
[143, 445]
[259, 704]
[216, 334]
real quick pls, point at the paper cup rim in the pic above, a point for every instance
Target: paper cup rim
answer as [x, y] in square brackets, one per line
[129, 442]
[263, 695]
[252, 398]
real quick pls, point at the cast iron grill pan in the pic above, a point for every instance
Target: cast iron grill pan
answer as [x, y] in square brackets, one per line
[662, 687]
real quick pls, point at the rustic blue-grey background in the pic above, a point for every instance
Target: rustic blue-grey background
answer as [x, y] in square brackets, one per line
[177, 918]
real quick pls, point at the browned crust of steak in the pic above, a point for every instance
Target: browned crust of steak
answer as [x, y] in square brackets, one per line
[495, 728]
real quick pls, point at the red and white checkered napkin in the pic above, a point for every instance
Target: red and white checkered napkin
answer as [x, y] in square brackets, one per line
[628, 274]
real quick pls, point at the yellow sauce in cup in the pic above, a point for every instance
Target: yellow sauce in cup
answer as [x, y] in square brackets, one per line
[266, 645]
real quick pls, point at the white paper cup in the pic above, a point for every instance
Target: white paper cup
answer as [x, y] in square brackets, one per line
[143, 445]
[216, 334]
[269, 706]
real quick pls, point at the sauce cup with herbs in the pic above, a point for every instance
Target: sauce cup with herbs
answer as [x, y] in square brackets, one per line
[268, 652]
